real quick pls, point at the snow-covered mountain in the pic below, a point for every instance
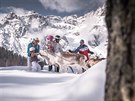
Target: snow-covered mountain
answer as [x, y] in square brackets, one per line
[17, 29]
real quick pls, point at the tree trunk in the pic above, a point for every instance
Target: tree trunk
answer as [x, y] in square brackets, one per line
[120, 71]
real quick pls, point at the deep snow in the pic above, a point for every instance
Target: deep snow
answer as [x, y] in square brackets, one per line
[18, 84]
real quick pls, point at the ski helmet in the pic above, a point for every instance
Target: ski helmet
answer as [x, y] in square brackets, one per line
[32, 49]
[57, 37]
[50, 37]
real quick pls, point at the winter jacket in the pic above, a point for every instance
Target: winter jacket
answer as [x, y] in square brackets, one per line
[37, 48]
[50, 45]
[83, 49]
[58, 47]
[34, 58]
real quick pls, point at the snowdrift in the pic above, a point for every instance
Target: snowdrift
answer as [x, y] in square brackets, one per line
[21, 85]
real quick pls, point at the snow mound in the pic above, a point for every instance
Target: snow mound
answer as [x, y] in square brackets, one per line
[46, 86]
[90, 85]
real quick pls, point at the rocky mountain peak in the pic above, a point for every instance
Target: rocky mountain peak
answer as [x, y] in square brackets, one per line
[17, 30]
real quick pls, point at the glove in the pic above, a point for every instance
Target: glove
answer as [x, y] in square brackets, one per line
[70, 51]
[91, 52]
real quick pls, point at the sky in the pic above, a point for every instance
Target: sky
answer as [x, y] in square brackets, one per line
[54, 7]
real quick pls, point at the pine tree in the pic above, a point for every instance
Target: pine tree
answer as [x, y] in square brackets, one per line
[8, 58]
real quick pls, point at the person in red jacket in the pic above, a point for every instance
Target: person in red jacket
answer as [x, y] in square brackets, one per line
[83, 49]
[50, 43]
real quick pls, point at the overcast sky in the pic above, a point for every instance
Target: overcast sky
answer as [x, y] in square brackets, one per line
[54, 7]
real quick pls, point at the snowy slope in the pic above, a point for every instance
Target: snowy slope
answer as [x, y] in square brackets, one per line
[17, 84]
[17, 29]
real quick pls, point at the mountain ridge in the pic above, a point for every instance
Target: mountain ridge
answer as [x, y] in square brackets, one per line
[17, 30]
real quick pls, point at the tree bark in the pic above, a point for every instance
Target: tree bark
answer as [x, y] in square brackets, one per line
[120, 71]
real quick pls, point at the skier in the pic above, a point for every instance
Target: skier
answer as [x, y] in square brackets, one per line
[34, 44]
[57, 45]
[57, 50]
[50, 43]
[83, 49]
[34, 60]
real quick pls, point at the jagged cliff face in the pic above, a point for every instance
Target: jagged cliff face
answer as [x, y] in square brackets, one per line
[17, 30]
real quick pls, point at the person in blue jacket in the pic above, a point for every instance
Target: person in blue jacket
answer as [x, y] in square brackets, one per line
[34, 44]
[83, 49]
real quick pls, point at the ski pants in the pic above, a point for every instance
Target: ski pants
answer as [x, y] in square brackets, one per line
[28, 63]
[35, 66]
